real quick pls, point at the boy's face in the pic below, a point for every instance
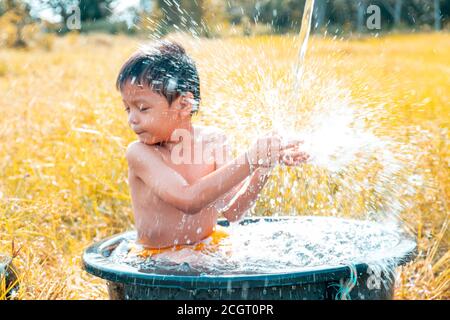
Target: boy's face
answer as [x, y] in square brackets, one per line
[149, 114]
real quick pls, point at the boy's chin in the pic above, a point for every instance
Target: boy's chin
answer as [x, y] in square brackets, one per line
[145, 138]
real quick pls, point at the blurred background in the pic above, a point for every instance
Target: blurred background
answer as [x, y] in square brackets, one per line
[22, 22]
[375, 98]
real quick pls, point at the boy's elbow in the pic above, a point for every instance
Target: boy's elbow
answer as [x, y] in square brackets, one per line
[191, 209]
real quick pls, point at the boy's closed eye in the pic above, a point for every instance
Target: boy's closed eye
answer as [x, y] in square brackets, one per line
[141, 108]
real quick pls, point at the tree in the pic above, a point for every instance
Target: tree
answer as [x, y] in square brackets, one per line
[89, 10]
[181, 15]
[394, 7]
[171, 12]
[94, 10]
[437, 14]
[320, 11]
[283, 15]
[15, 17]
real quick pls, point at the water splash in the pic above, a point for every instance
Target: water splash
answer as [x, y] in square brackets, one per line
[333, 132]
[273, 247]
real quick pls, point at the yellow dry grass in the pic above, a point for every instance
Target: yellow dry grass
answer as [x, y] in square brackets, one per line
[63, 133]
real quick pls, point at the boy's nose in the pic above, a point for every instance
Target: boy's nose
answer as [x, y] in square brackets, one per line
[132, 119]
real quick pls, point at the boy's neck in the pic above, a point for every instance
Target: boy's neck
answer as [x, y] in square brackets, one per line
[169, 145]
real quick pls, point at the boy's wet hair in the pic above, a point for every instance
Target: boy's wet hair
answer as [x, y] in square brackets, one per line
[165, 68]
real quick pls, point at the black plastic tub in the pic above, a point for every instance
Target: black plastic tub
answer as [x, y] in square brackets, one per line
[317, 283]
[8, 276]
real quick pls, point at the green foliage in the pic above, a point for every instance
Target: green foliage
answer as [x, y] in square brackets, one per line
[94, 10]
[341, 15]
[106, 26]
[214, 17]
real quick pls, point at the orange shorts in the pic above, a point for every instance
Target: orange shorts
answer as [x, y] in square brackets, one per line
[209, 244]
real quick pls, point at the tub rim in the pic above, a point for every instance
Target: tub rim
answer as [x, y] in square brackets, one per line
[95, 263]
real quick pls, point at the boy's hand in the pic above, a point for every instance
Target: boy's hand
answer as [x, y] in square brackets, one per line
[291, 155]
[269, 151]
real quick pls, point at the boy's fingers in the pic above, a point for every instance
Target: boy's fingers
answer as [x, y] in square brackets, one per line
[295, 142]
[293, 158]
[288, 147]
[296, 153]
[302, 158]
[302, 155]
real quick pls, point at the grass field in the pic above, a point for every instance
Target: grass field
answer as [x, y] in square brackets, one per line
[63, 133]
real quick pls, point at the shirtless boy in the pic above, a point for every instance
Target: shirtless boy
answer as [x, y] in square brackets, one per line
[176, 194]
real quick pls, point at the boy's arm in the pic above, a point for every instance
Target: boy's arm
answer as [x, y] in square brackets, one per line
[246, 197]
[172, 188]
[242, 197]
[222, 155]
[223, 201]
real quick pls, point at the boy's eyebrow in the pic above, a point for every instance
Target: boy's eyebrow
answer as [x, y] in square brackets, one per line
[137, 100]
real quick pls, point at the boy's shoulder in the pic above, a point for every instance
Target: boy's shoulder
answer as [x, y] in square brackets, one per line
[134, 145]
[137, 148]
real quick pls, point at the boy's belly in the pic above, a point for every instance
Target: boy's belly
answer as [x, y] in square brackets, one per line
[160, 224]
[185, 253]
[171, 227]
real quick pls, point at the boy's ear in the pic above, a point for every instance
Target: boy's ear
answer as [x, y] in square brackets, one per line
[186, 101]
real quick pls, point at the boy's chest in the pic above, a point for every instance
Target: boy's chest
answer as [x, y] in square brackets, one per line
[193, 170]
